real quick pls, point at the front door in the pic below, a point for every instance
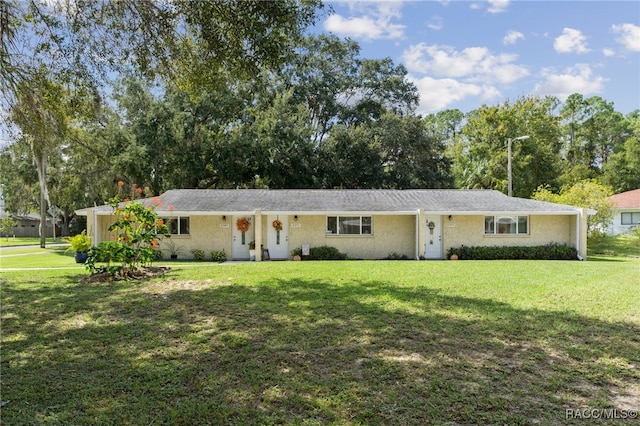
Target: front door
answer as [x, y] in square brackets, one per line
[278, 240]
[241, 240]
[433, 240]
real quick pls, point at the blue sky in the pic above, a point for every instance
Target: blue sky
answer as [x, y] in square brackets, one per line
[462, 54]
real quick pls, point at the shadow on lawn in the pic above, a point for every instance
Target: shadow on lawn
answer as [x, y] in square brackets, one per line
[292, 351]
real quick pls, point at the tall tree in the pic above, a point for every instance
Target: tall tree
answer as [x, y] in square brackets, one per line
[591, 131]
[43, 115]
[193, 41]
[486, 134]
[622, 171]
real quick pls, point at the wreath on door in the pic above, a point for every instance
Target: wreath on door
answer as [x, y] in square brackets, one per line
[277, 225]
[243, 224]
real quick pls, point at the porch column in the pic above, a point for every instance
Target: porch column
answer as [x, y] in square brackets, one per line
[420, 237]
[257, 229]
[93, 232]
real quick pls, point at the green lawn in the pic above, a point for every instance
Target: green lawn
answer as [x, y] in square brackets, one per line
[348, 343]
[620, 245]
[22, 241]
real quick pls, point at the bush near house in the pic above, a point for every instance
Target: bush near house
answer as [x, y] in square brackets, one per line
[198, 254]
[320, 253]
[219, 256]
[548, 252]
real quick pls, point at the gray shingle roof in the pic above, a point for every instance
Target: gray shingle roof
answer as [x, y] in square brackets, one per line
[449, 201]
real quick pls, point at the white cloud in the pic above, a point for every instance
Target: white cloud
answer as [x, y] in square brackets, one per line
[608, 52]
[376, 22]
[629, 36]
[475, 64]
[437, 94]
[512, 37]
[571, 40]
[577, 79]
[495, 6]
[498, 6]
[436, 23]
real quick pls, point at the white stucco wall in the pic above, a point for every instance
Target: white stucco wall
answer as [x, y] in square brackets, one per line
[391, 234]
[616, 227]
[469, 231]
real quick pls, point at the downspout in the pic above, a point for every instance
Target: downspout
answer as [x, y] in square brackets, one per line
[578, 230]
[584, 218]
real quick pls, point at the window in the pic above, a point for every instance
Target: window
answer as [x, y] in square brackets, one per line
[506, 225]
[177, 225]
[349, 225]
[630, 218]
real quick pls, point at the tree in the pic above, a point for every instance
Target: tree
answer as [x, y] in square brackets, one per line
[392, 152]
[591, 132]
[622, 171]
[589, 194]
[483, 146]
[6, 224]
[411, 158]
[190, 41]
[42, 115]
[338, 87]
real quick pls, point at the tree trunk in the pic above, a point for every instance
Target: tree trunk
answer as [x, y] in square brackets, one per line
[41, 166]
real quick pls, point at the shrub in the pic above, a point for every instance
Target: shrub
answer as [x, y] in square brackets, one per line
[396, 256]
[137, 230]
[320, 253]
[548, 252]
[80, 243]
[198, 254]
[219, 256]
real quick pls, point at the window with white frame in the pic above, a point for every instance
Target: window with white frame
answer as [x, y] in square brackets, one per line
[349, 225]
[506, 225]
[177, 225]
[630, 218]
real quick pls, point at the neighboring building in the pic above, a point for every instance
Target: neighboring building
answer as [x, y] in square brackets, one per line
[364, 224]
[626, 212]
[28, 225]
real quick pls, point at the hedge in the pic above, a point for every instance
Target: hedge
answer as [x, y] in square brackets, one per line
[320, 253]
[548, 252]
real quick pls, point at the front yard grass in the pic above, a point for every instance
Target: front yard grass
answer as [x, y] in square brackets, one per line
[349, 343]
[619, 245]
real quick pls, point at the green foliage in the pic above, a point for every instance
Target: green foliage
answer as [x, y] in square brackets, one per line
[6, 224]
[548, 252]
[482, 161]
[320, 253]
[589, 194]
[396, 256]
[198, 254]
[622, 169]
[219, 256]
[80, 243]
[137, 230]
[173, 248]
